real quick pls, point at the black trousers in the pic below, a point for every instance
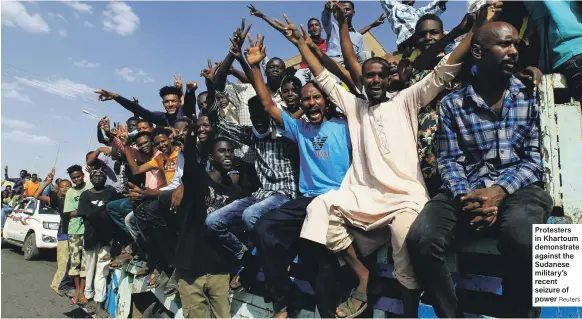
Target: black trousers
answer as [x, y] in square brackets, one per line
[154, 219]
[572, 69]
[277, 240]
[440, 223]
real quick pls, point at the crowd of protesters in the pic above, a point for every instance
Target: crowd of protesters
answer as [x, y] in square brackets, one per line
[417, 148]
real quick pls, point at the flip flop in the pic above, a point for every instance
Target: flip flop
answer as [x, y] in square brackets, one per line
[74, 301]
[348, 307]
[83, 301]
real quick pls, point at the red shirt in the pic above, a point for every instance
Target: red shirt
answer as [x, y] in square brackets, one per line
[322, 44]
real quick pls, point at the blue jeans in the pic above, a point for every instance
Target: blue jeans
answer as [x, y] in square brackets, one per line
[5, 211]
[118, 209]
[247, 210]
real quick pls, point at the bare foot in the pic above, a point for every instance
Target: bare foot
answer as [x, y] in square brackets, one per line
[282, 315]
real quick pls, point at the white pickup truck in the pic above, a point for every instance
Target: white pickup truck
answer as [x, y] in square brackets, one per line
[32, 225]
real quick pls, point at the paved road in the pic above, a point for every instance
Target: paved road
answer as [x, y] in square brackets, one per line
[26, 288]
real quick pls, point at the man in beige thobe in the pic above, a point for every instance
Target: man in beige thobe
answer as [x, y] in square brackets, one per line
[384, 186]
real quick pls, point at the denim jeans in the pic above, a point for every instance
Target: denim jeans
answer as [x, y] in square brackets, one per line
[118, 210]
[442, 221]
[247, 210]
[6, 210]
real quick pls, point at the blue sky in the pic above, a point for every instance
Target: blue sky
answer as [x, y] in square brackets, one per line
[55, 53]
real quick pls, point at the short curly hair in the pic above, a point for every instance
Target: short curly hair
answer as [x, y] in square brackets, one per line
[167, 90]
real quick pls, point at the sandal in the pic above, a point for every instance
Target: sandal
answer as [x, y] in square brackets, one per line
[142, 272]
[120, 261]
[235, 283]
[171, 287]
[153, 281]
[83, 301]
[348, 307]
[74, 301]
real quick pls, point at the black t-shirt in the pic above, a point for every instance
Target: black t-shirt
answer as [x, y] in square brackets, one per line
[57, 203]
[98, 225]
[198, 249]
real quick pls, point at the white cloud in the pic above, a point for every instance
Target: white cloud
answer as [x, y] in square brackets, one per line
[120, 18]
[127, 74]
[88, 24]
[79, 6]
[86, 64]
[17, 124]
[27, 138]
[12, 90]
[56, 16]
[130, 75]
[14, 14]
[61, 87]
[63, 32]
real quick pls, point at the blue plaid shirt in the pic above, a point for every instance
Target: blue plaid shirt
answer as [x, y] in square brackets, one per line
[477, 149]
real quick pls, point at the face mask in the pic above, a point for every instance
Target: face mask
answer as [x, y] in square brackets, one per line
[260, 135]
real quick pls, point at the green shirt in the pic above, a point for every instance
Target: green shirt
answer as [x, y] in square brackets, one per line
[76, 224]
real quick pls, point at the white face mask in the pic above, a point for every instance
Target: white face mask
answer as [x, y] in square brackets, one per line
[261, 135]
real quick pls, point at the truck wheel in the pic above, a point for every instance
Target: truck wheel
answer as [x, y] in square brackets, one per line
[156, 310]
[29, 248]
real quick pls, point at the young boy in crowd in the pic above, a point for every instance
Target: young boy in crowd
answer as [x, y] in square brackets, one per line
[76, 231]
[202, 271]
[56, 200]
[97, 237]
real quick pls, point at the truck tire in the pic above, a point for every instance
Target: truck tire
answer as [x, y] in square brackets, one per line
[156, 310]
[29, 248]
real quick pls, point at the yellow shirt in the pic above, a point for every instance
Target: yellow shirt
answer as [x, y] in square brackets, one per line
[168, 164]
[30, 188]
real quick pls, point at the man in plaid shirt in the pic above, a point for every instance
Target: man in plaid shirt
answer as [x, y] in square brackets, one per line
[489, 160]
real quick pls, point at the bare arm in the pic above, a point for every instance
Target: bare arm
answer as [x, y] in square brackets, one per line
[240, 75]
[330, 64]
[222, 71]
[47, 181]
[255, 54]
[486, 14]
[374, 24]
[93, 156]
[136, 169]
[348, 52]
[235, 50]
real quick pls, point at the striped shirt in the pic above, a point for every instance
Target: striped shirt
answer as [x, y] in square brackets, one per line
[477, 148]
